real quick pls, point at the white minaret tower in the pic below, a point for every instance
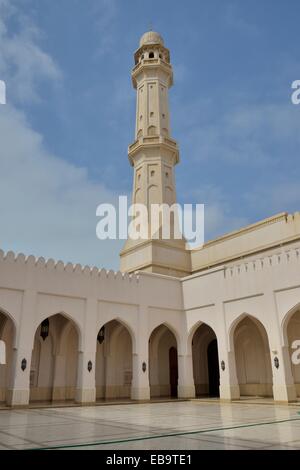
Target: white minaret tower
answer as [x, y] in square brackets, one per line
[153, 156]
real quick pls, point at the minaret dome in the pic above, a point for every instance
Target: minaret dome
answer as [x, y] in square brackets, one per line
[151, 37]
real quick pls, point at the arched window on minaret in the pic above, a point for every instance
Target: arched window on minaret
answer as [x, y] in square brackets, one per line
[152, 130]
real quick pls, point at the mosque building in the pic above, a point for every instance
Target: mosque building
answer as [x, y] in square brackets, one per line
[221, 320]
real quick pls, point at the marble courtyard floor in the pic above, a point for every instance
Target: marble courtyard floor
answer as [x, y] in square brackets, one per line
[174, 425]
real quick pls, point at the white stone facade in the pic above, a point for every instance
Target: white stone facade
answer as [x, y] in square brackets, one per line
[221, 322]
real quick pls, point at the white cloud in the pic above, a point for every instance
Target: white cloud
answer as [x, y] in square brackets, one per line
[275, 196]
[103, 13]
[218, 215]
[47, 205]
[246, 135]
[23, 63]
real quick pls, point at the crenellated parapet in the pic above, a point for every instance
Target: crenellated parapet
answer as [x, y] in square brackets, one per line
[20, 260]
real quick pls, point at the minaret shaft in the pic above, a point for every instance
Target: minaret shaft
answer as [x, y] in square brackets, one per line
[153, 156]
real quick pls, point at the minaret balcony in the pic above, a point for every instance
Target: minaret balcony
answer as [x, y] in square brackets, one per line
[159, 143]
[151, 64]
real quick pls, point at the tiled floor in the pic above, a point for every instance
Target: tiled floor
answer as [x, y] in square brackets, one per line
[192, 425]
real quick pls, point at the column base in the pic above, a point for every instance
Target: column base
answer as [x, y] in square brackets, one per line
[186, 391]
[141, 393]
[85, 395]
[17, 397]
[284, 393]
[229, 392]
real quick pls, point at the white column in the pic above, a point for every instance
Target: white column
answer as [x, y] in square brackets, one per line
[229, 386]
[18, 389]
[59, 385]
[86, 382]
[140, 389]
[283, 382]
[284, 389]
[186, 385]
[86, 379]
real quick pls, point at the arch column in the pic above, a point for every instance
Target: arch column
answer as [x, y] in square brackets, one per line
[140, 388]
[284, 389]
[229, 385]
[86, 379]
[86, 388]
[186, 385]
[18, 390]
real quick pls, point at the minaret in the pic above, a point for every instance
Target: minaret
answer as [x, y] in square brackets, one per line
[153, 156]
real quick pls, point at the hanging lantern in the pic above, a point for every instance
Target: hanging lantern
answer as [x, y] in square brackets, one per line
[23, 364]
[276, 362]
[101, 335]
[45, 329]
[89, 366]
[223, 365]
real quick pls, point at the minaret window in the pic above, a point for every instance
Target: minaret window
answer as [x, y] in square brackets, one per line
[152, 173]
[151, 114]
[163, 116]
[151, 55]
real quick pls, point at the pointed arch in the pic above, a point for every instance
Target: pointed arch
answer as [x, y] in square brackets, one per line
[203, 344]
[170, 327]
[249, 341]
[114, 360]
[54, 361]
[238, 319]
[291, 336]
[192, 330]
[68, 317]
[126, 325]
[285, 321]
[163, 361]
[8, 333]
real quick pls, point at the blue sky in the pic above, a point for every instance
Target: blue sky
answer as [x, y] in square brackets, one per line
[71, 108]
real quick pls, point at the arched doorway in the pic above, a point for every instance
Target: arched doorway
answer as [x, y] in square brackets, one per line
[163, 363]
[7, 335]
[113, 361]
[213, 368]
[293, 334]
[205, 362]
[53, 371]
[252, 356]
[173, 365]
